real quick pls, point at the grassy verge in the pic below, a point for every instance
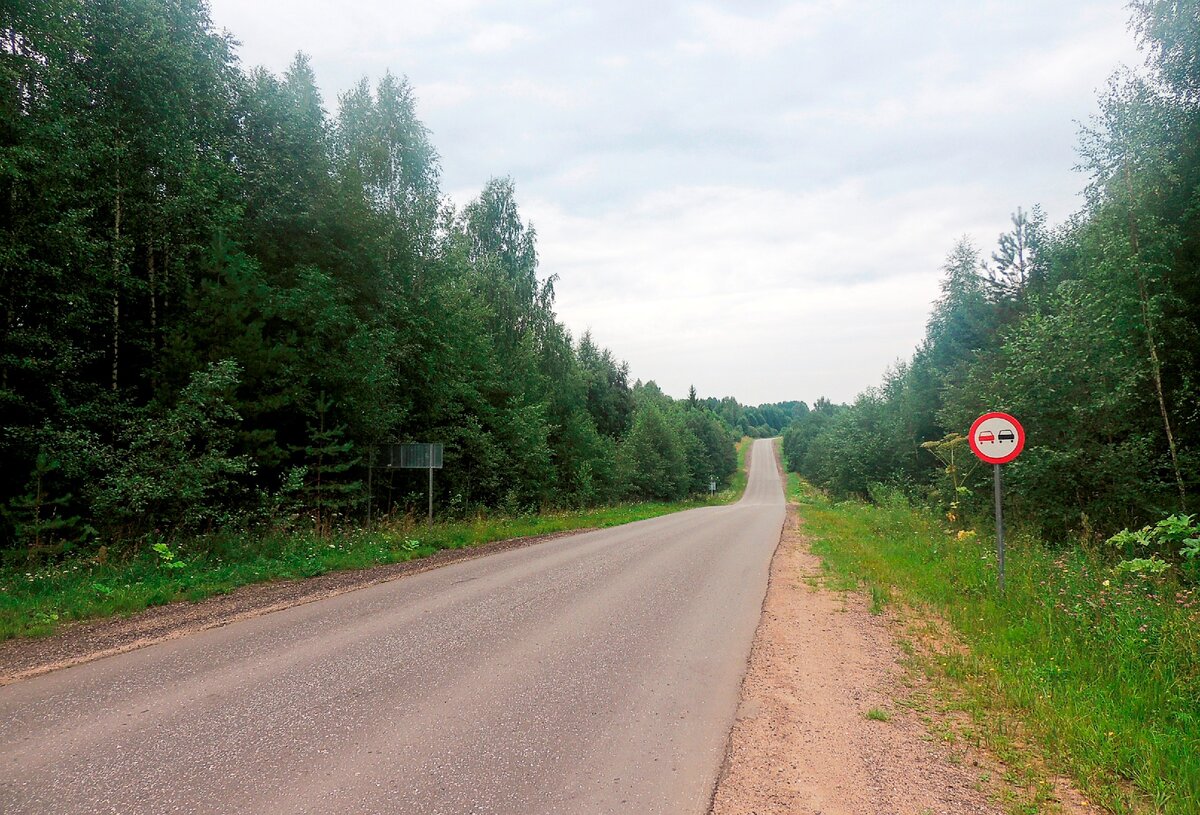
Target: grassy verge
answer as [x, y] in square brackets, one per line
[1100, 671]
[34, 602]
[737, 484]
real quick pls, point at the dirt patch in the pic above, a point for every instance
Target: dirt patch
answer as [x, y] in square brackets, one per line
[85, 641]
[827, 723]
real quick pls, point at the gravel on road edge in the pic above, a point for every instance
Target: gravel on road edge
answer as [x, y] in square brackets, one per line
[84, 641]
[808, 738]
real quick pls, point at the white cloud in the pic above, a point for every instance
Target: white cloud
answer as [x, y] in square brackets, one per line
[1068, 70]
[494, 39]
[615, 62]
[686, 281]
[434, 96]
[718, 28]
[542, 93]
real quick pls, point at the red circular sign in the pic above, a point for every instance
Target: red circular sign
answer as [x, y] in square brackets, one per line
[996, 438]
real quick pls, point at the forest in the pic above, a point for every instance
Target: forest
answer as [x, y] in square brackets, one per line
[1087, 332]
[220, 301]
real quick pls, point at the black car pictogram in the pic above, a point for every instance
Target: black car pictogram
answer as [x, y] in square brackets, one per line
[1007, 435]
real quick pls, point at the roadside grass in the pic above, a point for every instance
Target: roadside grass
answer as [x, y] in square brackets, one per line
[1099, 671]
[36, 601]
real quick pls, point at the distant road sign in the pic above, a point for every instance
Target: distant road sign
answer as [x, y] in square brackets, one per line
[996, 438]
[426, 456]
[415, 456]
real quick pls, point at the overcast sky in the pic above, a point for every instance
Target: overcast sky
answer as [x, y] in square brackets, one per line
[752, 197]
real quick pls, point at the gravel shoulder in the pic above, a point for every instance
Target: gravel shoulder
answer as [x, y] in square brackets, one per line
[80, 642]
[803, 743]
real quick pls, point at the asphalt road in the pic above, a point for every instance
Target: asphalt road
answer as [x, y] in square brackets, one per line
[592, 674]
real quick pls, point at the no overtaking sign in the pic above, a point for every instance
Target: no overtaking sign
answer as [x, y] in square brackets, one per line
[996, 438]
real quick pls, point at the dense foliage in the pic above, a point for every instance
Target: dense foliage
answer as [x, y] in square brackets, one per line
[218, 301]
[1088, 333]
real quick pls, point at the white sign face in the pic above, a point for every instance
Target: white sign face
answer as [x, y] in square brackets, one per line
[997, 438]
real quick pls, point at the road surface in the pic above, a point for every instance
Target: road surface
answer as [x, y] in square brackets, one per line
[592, 674]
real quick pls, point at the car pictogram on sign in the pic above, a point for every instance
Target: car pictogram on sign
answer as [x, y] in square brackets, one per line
[987, 435]
[1007, 435]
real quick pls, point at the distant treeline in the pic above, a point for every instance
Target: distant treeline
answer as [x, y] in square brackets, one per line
[218, 301]
[762, 422]
[1088, 333]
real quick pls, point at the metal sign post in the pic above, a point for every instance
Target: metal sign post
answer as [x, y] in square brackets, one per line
[999, 525]
[997, 438]
[417, 457]
[370, 469]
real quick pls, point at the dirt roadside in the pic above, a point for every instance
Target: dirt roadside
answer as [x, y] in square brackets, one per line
[803, 743]
[80, 642]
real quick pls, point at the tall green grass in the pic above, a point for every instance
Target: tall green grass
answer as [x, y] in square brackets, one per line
[36, 601]
[1101, 671]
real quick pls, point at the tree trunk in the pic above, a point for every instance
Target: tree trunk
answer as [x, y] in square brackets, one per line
[166, 284]
[18, 103]
[153, 297]
[1155, 363]
[8, 324]
[116, 301]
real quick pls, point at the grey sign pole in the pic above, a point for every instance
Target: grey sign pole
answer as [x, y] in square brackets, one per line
[370, 469]
[421, 456]
[999, 525]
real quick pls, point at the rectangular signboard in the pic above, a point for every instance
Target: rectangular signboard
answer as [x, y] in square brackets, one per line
[415, 456]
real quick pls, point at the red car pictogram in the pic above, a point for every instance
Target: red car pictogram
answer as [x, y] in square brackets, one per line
[986, 435]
